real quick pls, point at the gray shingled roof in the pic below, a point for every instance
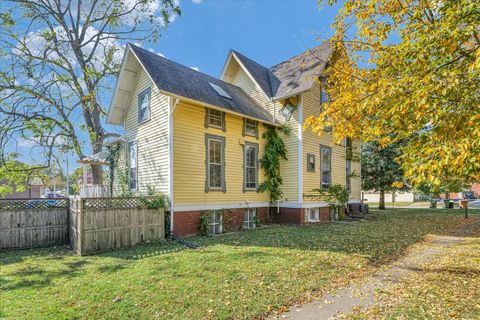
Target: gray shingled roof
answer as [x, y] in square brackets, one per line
[183, 81]
[295, 74]
[292, 76]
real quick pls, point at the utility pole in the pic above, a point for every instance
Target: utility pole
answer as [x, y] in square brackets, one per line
[68, 179]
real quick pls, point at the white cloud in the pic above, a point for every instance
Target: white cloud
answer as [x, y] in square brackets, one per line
[156, 52]
[26, 143]
[197, 1]
[195, 68]
[38, 45]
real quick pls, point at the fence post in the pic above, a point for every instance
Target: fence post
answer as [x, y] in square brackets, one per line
[68, 219]
[80, 249]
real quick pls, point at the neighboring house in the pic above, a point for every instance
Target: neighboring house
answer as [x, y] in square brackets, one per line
[198, 139]
[32, 191]
[397, 196]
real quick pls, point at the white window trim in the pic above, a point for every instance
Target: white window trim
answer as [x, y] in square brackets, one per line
[316, 214]
[251, 215]
[322, 147]
[146, 92]
[135, 145]
[213, 223]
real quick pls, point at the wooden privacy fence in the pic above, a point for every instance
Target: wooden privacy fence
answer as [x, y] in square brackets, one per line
[31, 223]
[104, 224]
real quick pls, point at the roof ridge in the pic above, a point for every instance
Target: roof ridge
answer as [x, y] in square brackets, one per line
[299, 55]
[236, 52]
[264, 81]
[180, 65]
[177, 79]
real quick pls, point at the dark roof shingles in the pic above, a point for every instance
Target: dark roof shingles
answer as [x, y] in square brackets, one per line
[265, 79]
[296, 74]
[291, 76]
[183, 81]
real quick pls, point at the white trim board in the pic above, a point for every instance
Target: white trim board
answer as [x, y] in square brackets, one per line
[300, 150]
[296, 205]
[219, 206]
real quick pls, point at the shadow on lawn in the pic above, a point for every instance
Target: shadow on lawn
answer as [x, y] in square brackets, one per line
[35, 277]
[380, 239]
[19, 255]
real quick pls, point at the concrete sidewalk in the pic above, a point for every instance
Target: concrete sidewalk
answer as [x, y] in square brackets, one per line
[361, 295]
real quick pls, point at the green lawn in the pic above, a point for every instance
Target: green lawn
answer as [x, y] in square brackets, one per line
[241, 275]
[419, 204]
[445, 288]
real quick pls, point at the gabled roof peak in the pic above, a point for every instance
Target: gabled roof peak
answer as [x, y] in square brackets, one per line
[291, 76]
[178, 80]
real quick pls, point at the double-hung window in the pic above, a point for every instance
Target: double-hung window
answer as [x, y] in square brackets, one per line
[310, 162]
[215, 160]
[249, 217]
[215, 119]
[251, 166]
[325, 167]
[250, 127]
[215, 222]
[348, 164]
[144, 106]
[132, 166]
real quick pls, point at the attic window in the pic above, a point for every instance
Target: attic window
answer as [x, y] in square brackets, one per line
[220, 91]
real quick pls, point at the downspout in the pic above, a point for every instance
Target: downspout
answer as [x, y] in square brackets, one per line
[171, 108]
[274, 109]
[300, 152]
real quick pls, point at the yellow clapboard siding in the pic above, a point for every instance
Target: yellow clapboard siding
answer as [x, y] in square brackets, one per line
[189, 157]
[289, 168]
[311, 144]
[241, 79]
[151, 136]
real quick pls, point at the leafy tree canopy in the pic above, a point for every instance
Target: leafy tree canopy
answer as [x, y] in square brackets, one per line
[409, 70]
[58, 59]
[380, 169]
[15, 175]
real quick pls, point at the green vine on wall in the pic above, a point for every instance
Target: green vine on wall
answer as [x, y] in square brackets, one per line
[204, 222]
[122, 175]
[113, 157]
[275, 151]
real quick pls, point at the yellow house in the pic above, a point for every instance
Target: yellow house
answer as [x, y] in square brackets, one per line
[198, 139]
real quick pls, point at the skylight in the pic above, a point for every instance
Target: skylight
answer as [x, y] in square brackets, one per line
[220, 91]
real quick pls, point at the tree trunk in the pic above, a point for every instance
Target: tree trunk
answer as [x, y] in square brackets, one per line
[97, 174]
[381, 202]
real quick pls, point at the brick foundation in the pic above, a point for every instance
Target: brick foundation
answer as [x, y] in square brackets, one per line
[290, 216]
[186, 223]
[324, 214]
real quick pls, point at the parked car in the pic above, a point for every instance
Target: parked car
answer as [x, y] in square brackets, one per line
[52, 195]
[41, 203]
[470, 195]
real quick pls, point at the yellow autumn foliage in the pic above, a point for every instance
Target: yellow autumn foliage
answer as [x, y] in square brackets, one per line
[408, 70]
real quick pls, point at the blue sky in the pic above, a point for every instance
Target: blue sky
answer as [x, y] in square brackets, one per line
[267, 31]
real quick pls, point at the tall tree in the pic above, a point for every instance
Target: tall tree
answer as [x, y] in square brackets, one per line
[409, 70]
[380, 169]
[57, 62]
